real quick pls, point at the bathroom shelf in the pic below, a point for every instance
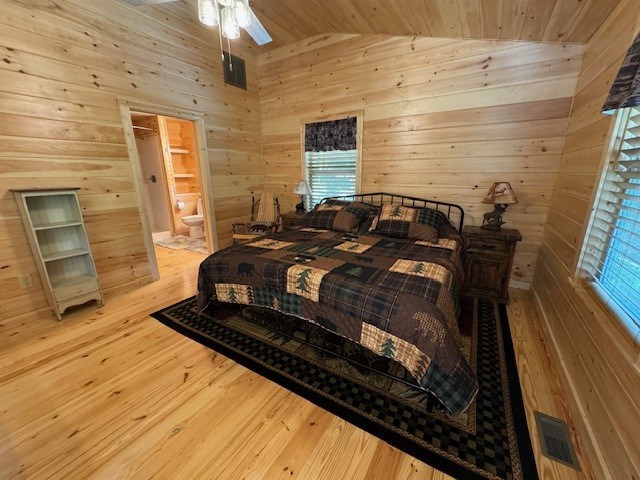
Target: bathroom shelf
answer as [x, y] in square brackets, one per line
[53, 222]
[179, 155]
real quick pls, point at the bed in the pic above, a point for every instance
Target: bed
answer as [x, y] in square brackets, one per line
[380, 270]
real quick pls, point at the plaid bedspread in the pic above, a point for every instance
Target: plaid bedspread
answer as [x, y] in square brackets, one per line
[396, 297]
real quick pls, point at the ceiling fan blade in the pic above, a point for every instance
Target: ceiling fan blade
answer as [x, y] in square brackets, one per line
[257, 31]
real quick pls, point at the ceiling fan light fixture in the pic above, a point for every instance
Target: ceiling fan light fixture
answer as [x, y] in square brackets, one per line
[208, 12]
[242, 13]
[230, 28]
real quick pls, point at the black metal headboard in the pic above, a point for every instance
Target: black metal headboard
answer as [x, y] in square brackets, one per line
[455, 213]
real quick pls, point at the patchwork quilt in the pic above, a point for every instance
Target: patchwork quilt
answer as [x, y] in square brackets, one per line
[396, 297]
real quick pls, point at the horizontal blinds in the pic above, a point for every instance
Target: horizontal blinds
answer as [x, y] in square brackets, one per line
[612, 254]
[330, 174]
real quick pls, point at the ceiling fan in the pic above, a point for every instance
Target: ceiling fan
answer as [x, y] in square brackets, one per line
[230, 15]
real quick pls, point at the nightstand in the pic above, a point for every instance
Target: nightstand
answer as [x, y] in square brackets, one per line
[488, 260]
[291, 220]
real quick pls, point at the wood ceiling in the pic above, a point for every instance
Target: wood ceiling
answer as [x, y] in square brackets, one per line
[558, 21]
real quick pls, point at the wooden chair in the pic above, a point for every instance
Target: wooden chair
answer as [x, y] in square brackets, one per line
[265, 218]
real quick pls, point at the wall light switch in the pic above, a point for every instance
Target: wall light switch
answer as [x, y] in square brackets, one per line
[25, 280]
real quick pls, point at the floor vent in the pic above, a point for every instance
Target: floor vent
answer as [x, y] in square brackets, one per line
[555, 440]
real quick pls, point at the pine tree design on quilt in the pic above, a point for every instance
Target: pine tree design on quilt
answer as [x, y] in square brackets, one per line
[355, 272]
[303, 280]
[388, 348]
[419, 267]
[232, 295]
[275, 304]
[396, 211]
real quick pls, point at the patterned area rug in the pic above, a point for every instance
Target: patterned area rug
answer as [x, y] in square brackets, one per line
[180, 242]
[489, 441]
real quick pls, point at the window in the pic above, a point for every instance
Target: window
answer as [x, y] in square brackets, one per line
[611, 257]
[331, 159]
[330, 174]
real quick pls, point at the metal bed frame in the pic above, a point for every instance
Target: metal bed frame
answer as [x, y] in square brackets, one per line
[451, 210]
[454, 212]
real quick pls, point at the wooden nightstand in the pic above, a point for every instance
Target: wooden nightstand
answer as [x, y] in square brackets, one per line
[291, 219]
[488, 261]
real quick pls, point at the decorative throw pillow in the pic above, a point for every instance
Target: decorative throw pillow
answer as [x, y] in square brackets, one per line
[402, 222]
[365, 212]
[447, 230]
[332, 217]
[431, 217]
[419, 231]
[439, 221]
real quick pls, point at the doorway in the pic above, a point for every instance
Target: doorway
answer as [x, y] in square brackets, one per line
[154, 175]
[171, 175]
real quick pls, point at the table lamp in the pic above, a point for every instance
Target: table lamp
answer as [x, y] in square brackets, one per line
[501, 195]
[302, 189]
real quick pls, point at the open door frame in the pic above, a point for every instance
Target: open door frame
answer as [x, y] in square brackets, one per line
[202, 158]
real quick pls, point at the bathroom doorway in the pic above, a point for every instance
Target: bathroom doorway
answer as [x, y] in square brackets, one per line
[154, 176]
[171, 176]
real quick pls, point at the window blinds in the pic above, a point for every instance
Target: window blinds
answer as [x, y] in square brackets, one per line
[612, 254]
[330, 174]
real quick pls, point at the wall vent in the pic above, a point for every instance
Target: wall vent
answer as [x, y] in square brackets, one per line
[555, 440]
[234, 71]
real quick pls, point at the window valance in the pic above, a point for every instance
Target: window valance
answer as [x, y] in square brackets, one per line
[625, 91]
[331, 135]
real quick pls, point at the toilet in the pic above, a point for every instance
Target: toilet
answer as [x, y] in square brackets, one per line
[195, 222]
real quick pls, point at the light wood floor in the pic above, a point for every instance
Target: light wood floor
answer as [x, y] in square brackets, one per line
[111, 393]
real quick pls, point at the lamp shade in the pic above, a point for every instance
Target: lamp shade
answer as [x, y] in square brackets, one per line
[302, 188]
[500, 193]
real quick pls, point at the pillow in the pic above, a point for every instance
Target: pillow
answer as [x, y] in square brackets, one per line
[431, 217]
[447, 230]
[399, 221]
[439, 221]
[365, 212]
[332, 217]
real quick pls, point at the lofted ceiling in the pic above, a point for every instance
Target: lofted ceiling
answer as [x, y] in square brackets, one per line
[558, 21]
[290, 21]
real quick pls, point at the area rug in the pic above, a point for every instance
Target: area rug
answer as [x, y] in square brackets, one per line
[489, 441]
[179, 242]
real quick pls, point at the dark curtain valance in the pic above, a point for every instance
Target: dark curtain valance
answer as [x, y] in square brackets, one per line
[625, 91]
[332, 135]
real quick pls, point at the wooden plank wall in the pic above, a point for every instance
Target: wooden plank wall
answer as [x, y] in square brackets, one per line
[600, 363]
[443, 118]
[64, 65]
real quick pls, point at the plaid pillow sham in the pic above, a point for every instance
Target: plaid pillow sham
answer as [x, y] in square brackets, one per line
[332, 217]
[400, 221]
[365, 212]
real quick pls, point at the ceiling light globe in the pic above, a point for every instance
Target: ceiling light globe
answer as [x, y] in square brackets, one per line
[229, 25]
[208, 12]
[242, 13]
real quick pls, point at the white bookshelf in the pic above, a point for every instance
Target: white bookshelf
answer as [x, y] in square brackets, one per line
[58, 238]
